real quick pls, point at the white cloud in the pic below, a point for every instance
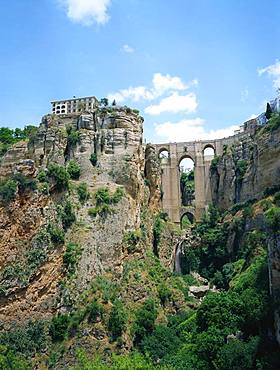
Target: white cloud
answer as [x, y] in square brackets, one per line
[87, 12]
[273, 71]
[127, 49]
[161, 84]
[132, 93]
[190, 130]
[174, 103]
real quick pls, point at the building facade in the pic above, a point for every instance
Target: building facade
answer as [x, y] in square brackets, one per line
[75, 105]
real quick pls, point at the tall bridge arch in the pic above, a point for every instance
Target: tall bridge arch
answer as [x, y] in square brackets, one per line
[170, 176]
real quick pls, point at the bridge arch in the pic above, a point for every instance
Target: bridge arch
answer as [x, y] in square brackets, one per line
[209, 151]
[163, 150]
[187, 219]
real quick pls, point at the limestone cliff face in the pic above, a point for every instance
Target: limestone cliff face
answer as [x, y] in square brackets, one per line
[114, 139]
[246, 169]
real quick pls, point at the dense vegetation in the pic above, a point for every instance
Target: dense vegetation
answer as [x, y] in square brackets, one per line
[9, 136]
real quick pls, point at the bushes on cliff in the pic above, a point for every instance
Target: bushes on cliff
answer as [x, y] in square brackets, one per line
[59, 327]
[24, 182]
[74, 170]
[73, 136]
[273, 218]
[132, 238]
[103, 200]
[8, 189]
[273, 123]
[145, 320]
[71, 256]
[83, 192]
[9, 186]
[93, 159]
[56, 234]
[8, 136]
[10, 360]
[94, 310]
[27, 339]
[67, 214]
[59, 175]
[117, 319]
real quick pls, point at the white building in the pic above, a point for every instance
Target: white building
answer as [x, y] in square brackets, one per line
[74, 105]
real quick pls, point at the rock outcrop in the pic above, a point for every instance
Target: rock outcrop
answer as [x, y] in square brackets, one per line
[246, 169]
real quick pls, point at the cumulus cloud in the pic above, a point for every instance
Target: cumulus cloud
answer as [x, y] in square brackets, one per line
[190, 130]
[87, 12]
[127, 49]
[174, 103]
[273, 71]
[161, 84]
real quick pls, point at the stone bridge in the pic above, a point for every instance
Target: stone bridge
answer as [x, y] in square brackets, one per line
[170, 174]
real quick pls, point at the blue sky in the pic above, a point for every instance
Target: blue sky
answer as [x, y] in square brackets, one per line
[195, 69]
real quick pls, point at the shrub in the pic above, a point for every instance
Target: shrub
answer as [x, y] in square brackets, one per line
[27, 339]
[271, 190]
[93, 212]
[35, 257]
[59, 327]
[214, 163]
[102, 196]
[71, 256]
[132, 238]
[8, 189]
[238, 355]
[11, 360]
[117, 196]
[145, 320]
[94, 310]
[164, 293]
[273, 123]
[273, 218]
[164, 341]
[93, 159]
[67, 215]
[59, 175]
[73, 136]
[24, 183]
[83, 193]
[277, 199]
[56, 234]
[117, 319]
[157, 229]
[222, 311]
[74, 170]
[241, 168]
[42, 176]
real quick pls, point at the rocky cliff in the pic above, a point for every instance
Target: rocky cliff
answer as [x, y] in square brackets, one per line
[114, 143]
[247, 168]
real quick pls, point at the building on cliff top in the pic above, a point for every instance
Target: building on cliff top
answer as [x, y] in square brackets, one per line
[74, 105]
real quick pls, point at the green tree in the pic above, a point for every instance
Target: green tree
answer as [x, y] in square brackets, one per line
[238, 355]
[83, 192]
[59, 327]
[74, 169]
[8, 189]
[117, 319]
[59, 175]
[145, 320]
[268, 112]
